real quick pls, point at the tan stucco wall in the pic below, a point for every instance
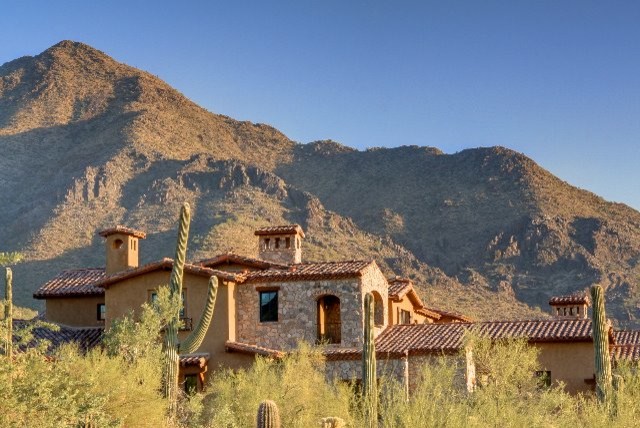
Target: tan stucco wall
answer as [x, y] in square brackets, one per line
[132, 293]
[405, 304]
[74, 311]
[570, 363]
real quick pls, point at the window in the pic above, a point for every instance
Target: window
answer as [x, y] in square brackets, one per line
[153, 298]
[191, 383]
[266, 243]
[277, 243]
[102, 311]
[544, 378]
[117, 244]
[268, 306]
[404, 317]
[287, 242]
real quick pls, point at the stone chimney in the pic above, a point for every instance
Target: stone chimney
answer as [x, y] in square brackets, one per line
[121, 246]
[280, 244]
[572, 306]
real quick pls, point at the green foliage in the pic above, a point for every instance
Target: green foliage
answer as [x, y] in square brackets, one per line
[7, 259]
[268, 415]
[601, 346]
[297, 383]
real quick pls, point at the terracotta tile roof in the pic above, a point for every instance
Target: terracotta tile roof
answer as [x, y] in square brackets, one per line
[124, 230]
[232, 258]
[197, 359]
[73, 283]
[87, 337]
[245, 348]
[417, 339]
[625, 352]
[428, 313]
[311, 271]
[399, 287]
[572, 299]
[453, 315]
[627, 337]
[166, 264]
[280, 230]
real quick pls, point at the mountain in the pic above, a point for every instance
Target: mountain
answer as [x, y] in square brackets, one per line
[88, 143]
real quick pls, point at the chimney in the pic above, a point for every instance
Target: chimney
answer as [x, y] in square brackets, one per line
[572, 306]
[121, 246]
[280, 244]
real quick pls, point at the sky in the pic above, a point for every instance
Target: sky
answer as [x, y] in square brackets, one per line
[556, 80]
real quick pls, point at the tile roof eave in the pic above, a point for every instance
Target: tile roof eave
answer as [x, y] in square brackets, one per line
[166, 264]
[53, 295]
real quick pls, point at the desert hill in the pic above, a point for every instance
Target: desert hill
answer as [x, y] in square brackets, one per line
[88, 142]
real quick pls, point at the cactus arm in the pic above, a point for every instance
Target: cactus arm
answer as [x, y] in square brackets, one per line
[171, 362]
[193, 342]
[601, 345]
[8, 311]
[369, 383]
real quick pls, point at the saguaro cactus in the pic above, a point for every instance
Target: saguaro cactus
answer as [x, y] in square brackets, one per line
[8, 312]
[369, 382]
[268, 415]
[171, 347]
[601, 346]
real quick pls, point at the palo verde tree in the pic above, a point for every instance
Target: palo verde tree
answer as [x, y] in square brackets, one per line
[171, 346]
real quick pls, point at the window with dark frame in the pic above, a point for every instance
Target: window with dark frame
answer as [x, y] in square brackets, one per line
[191, 383]
[268, 306]
[102, 311]
[405, 317]
[544, 378]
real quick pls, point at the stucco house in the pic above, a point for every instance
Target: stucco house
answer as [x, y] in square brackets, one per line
[267, 305]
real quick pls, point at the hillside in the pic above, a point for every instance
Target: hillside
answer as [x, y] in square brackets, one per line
[89, 142]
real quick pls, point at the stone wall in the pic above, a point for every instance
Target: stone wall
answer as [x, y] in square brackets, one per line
[392, 368]
[297, 312]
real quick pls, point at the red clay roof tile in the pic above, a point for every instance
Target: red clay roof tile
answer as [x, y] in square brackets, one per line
[229, 258]
[73, 283]
[245, 348]
[627, 337]
[280, 230]
[572, 299]
[124, 230]
[311, 271]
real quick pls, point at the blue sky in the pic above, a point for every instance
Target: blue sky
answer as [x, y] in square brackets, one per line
[556, 80]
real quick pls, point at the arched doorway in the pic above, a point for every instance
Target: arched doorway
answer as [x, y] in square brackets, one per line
[329, 324]
[378, 309]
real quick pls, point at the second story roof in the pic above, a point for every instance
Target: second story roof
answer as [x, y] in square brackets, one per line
[311, 271]
[73, 283]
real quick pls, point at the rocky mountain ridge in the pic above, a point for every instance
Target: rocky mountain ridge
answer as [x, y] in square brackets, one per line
[88, 142]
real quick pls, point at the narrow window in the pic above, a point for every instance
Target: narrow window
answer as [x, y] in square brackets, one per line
[102, 311]
[268, 306]
[287, 242]
[183, 310]
[277, 243]
[191, 383]
[266, 243]
[405, 317]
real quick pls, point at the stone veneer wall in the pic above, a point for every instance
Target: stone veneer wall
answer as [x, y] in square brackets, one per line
[390, 368]
[373, 280]
[297, 310]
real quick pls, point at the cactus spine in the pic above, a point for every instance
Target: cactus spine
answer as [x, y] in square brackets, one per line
[601, 346]
[268, 415]
[8, 312]
[171, 347]
[369, 383]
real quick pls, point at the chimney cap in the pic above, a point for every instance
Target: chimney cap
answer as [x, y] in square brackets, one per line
[572, 299]
[281, 230]
[122, 230]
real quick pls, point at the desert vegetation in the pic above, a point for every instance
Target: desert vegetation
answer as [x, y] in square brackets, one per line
[119, 385]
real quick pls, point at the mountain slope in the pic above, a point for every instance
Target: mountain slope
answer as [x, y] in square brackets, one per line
[89, 142]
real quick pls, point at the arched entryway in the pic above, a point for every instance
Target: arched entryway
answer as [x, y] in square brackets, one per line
[378, 309]
[329, 323]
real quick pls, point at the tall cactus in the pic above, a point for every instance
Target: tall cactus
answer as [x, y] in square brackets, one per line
[171, 347]
[369, 382]
[268, 415]
[601, 346]
[8, 312]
